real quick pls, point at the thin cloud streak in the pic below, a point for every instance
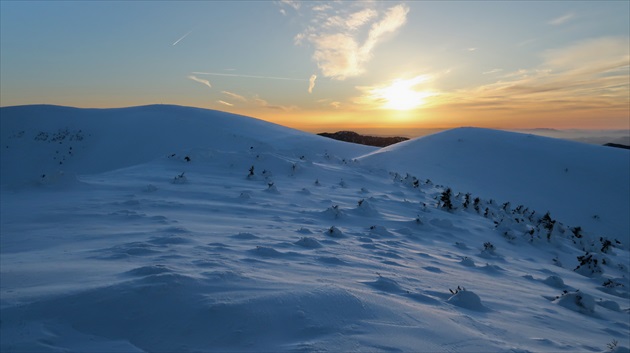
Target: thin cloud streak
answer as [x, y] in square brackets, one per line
[264, 104]
[225, 103]
[562, 19]
[249, 76]
[493, 71]
[181, 38]
[235, 96]
[200, 80]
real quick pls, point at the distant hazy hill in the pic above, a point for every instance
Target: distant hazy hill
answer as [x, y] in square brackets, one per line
[351, 136]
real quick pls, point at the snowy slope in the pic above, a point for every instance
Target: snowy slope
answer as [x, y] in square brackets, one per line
[145, 250]
[81, 141]
[580, 184]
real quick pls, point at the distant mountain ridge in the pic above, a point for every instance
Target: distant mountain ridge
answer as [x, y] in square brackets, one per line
[353, 137]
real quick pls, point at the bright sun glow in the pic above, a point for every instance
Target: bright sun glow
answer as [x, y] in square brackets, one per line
[401, 95]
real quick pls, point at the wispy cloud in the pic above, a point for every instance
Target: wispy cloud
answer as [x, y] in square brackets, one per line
[235, 96]
[249, 76]
[181, 38]
[295, 5]
[225, 103]
[562, 19]
[200, 80]
[264, 104]
[338, 52]
[592, 74]
[311, 83]
[493, 71]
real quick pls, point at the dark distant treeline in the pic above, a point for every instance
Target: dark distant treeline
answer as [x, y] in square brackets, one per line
[617, 145]
[351, 136]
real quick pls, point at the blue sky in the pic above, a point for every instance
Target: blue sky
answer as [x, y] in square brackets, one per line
[317, 64]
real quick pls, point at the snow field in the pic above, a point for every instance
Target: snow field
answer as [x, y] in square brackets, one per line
[317, 250]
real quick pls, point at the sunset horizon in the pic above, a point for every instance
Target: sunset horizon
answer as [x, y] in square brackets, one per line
[318, 66]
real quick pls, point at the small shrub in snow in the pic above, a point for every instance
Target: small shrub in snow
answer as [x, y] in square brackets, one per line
[180, 179]
[547, 223]
[606, 245]
[476, 202]
[612, 345]
[577, 232]
[609, 283]
[445, 199]
[457, 290]
[466, 299]
[251, 172]
[466, 200]
[271, 187]
[317, 183]
[589, 265]
[334, 211]
[488, 250]
[150, 188]
[576, 301]
[334, 232]
[467, 261]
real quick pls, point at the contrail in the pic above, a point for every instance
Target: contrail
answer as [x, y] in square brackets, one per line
[184, 36]
[250, 76]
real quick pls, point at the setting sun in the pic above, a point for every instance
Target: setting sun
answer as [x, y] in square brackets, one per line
[401, 94]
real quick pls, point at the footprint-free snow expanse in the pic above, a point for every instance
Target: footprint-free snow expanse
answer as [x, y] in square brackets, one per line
[164, 228]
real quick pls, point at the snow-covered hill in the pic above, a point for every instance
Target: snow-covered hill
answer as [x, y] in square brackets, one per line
[164, 229]
[580, 184]
[42, 139]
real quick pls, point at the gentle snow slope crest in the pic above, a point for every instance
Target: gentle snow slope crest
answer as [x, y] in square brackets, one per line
[45, 139]
[580, 184]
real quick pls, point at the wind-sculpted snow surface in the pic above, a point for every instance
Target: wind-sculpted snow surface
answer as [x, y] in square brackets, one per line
[224, 233]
